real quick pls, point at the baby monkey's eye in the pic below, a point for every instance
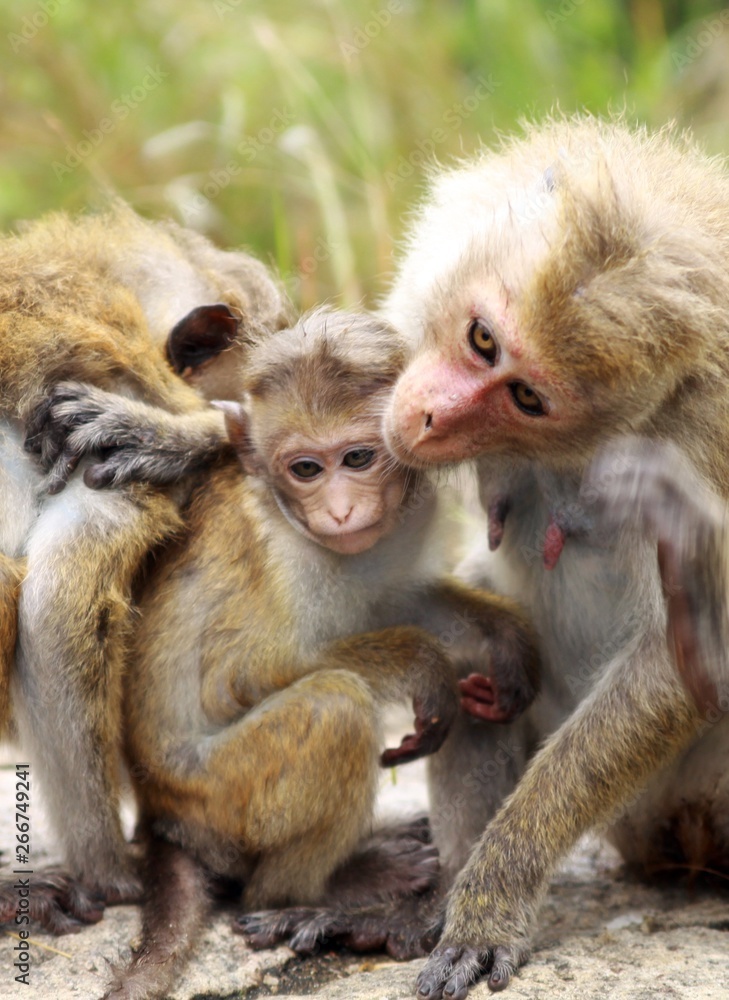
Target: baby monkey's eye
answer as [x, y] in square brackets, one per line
[526, 399]
[306, 468]
[359, 458]
[482, 340]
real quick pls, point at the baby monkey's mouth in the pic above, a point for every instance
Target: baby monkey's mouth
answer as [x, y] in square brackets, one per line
[352, 542]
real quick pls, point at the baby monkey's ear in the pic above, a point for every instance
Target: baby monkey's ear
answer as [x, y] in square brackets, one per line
[201, 335]
[238, 429]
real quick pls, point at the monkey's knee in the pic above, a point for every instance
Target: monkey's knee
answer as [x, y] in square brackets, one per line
[319, 757]
[315, 785]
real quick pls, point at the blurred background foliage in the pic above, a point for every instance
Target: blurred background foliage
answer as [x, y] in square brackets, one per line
[302, 130]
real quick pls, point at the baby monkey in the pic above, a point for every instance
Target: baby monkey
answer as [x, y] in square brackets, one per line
[302, 598]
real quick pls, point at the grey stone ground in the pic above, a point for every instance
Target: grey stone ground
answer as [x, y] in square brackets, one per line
[601, 935]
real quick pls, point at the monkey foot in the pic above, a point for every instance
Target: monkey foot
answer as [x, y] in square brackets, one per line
[396, 862]
[307, 929]
[56, 901]
[480, 699]
[384, 898]
[452, 970]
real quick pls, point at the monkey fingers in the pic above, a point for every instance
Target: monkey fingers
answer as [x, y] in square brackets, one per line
[451, 971]
[383, 897]
[135, 442]
[67, 406]
[52, 430]
[119, 466]
[306, 929]
[480, 698]
[59, 903]
[307, 925]
[429, 736]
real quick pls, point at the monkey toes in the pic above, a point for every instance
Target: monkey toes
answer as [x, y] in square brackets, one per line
[429, 736]
[480, 698]
[412, 747]
[56, 901]
[307, 929]
[384, 898]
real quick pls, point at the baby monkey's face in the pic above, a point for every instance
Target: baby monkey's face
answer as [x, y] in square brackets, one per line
[341, 486]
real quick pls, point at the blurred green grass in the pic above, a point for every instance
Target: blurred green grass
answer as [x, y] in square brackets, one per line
[302, 131]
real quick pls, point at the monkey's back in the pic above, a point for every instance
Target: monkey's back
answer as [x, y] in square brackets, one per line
[64, 316]
[87, 298]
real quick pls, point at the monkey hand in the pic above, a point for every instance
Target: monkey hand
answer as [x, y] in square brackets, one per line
[59, 903]
[136, 442]
[431, 730]
[512, 681]
[75, 420]
[657, 486]
[485, 929]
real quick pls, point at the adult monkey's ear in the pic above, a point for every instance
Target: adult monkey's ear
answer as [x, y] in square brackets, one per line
[201, 335]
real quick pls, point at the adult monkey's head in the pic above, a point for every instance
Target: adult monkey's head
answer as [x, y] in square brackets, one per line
[555, 294]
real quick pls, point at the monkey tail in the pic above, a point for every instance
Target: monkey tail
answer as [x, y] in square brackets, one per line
[175, 908]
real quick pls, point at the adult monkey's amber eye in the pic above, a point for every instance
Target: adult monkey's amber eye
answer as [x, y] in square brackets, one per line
[526, 399]
[482, 340]
[306, 468]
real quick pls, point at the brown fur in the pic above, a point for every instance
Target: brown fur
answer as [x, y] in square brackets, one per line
[11, 574]
[93, 299]
[262, 661]
[598, 257]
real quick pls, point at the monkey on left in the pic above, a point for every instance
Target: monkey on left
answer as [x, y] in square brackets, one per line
[122, 304]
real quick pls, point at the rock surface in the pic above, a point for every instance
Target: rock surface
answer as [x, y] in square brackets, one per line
[600, 935]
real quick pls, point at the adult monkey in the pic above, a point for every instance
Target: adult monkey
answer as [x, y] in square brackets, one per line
[101, 299]
[571, 288]
[560, 293]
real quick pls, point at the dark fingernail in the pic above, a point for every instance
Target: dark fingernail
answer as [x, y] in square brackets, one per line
[498, 981]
